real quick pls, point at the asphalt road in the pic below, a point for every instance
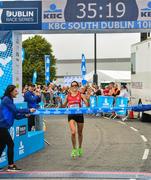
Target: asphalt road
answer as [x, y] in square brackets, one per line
[109, 146]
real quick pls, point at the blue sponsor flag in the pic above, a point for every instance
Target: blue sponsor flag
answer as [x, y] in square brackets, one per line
[47, 69]
[34, 77]
[23, 54]
[83, 70]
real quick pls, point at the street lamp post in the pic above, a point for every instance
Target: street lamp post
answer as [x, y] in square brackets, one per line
[95, 75]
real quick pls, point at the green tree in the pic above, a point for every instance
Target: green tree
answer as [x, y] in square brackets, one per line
[35, 49]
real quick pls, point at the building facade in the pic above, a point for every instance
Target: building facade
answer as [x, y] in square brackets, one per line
[73, 67]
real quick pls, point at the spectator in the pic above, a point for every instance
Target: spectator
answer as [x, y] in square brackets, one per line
[116, 90]
[89, 93]
[124, 92]
[106, 91]
[98, 91]
[46, 95]
[111, 89]
[32, 98]
[25, 89]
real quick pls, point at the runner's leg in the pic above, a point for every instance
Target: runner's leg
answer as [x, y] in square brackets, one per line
[80, 133]
[72, 126]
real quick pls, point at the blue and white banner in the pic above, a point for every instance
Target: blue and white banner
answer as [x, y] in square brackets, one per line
[47, 69]
[20, 15]
[83, 70]
[82, 110]
[34, 79]
[91, 110]
[88, 15]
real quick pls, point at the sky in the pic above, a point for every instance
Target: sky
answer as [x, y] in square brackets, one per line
[71, 46]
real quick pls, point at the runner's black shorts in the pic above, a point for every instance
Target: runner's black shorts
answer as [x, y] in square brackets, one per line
[79, 118]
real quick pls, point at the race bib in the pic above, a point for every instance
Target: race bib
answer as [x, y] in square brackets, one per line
[74, 106]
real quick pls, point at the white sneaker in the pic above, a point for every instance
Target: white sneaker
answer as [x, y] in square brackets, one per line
[97, 115]
[124, 118]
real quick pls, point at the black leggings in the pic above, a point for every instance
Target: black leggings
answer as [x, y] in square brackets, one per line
[31, 122]
[6, 139]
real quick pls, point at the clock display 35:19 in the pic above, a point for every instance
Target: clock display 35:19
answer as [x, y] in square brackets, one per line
[93, 10]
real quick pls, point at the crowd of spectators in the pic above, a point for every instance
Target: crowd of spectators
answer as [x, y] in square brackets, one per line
[51, 94]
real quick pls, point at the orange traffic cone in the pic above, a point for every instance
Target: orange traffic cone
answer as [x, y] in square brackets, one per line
[131, 114]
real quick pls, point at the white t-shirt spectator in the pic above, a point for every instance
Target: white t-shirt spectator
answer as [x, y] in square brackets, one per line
[124, 93]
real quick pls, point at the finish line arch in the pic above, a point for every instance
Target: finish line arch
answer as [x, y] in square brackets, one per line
[67, 16]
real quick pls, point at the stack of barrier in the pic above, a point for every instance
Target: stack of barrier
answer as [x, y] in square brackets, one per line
[102, 103]
[105, 103]
[121, 102]
[109, 104]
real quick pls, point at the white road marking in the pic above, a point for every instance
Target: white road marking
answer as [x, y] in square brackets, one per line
[134, 129]
[144, 138]
[122, 122]
[145, 155]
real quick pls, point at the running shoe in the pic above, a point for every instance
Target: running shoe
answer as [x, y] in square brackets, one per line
[74, 153]
[13, 168]
[79, 152]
